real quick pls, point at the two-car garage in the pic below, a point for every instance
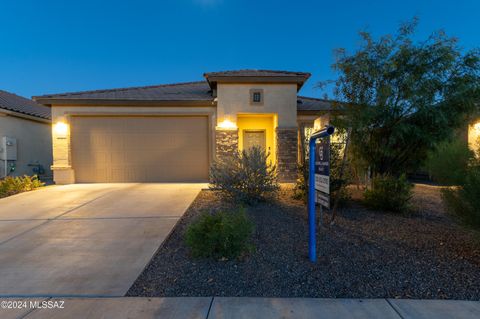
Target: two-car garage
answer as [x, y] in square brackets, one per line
[158, 133]
[140, 148]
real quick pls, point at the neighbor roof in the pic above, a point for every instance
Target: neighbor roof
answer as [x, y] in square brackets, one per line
[314, 104]
[16, 103]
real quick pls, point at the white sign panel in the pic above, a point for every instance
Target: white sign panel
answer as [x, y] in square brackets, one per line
[322, 183]
[323, 199]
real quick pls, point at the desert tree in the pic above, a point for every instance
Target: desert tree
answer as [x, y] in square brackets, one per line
[402, 97]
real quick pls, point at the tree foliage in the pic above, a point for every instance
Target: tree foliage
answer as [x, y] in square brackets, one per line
[449, 162]
[403, 97]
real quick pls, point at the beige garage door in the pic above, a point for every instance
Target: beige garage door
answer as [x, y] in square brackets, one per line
[140, 149]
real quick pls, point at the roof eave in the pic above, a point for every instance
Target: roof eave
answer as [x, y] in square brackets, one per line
[119, 102]
[25, 116]
[214, 79]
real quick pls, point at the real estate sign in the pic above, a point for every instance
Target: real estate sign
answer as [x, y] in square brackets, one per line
[322, 171]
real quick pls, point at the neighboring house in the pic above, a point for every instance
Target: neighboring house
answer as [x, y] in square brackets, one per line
[173, 132]
[473, 134]
[25, 137]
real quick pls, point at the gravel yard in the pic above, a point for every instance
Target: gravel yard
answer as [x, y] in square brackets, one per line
[364, 254]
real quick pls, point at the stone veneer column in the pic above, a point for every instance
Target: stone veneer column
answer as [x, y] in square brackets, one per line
[226, 142]
[287, 151]
[62, 167]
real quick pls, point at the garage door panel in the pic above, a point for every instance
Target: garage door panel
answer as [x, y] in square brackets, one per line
[140, 149]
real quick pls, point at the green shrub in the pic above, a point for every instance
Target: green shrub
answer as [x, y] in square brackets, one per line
[338, 181]
[220, 235]
[300, 190]
[464, 202]
[14, 185]
[245, 176]
[338, 186]
[449, 162]
[389, 193]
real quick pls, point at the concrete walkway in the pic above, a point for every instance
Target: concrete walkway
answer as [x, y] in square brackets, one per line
[244, 308]
[85, 239]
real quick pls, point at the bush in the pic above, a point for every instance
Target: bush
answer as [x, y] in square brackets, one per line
[220, 235]
[338, 185]
[389, 193]
[14, 185]
[449, 162]
[464, 202]
[245, 176]
[338, 181]
[300, 190]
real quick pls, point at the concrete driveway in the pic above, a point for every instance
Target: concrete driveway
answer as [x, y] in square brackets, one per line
[85, 239]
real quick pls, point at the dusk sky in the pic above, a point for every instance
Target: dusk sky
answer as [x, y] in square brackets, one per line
[59, 46]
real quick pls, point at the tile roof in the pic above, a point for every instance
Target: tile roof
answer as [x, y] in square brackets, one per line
[259, 73]
[16, 103]
[313, 104]
[189, 91]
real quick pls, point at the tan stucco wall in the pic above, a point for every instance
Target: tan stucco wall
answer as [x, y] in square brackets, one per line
[65, 174]
[279, 102]
[280, 99]
[34, 143]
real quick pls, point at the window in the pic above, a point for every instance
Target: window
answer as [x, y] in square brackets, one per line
[256, 97]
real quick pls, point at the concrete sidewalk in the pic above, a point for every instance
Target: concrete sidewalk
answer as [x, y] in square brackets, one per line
[234, 307]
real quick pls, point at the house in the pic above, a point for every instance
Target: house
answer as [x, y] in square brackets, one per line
[25, 137]
[173, 132]
[473, 134]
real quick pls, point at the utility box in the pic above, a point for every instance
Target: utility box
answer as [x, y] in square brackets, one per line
[8, 149]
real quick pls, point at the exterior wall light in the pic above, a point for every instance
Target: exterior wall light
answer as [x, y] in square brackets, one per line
[476, 126]
[60, 129]
[227, 125]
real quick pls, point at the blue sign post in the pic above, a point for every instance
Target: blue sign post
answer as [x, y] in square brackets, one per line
[312, 243]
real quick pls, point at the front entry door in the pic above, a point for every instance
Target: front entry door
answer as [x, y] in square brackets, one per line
[254, 138]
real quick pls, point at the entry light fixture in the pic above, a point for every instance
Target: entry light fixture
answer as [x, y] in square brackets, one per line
[227, 125]
[60, 129]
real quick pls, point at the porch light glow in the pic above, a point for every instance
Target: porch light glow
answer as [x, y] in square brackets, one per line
[60, 129]
[227, 124]
[476, 126]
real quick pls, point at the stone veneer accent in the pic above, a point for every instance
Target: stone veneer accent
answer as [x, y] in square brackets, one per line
[287, 150]
[226, 142]
[62, 157]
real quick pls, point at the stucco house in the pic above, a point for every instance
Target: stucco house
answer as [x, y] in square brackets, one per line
[173, 132]
[473, 134]
[25, 137]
